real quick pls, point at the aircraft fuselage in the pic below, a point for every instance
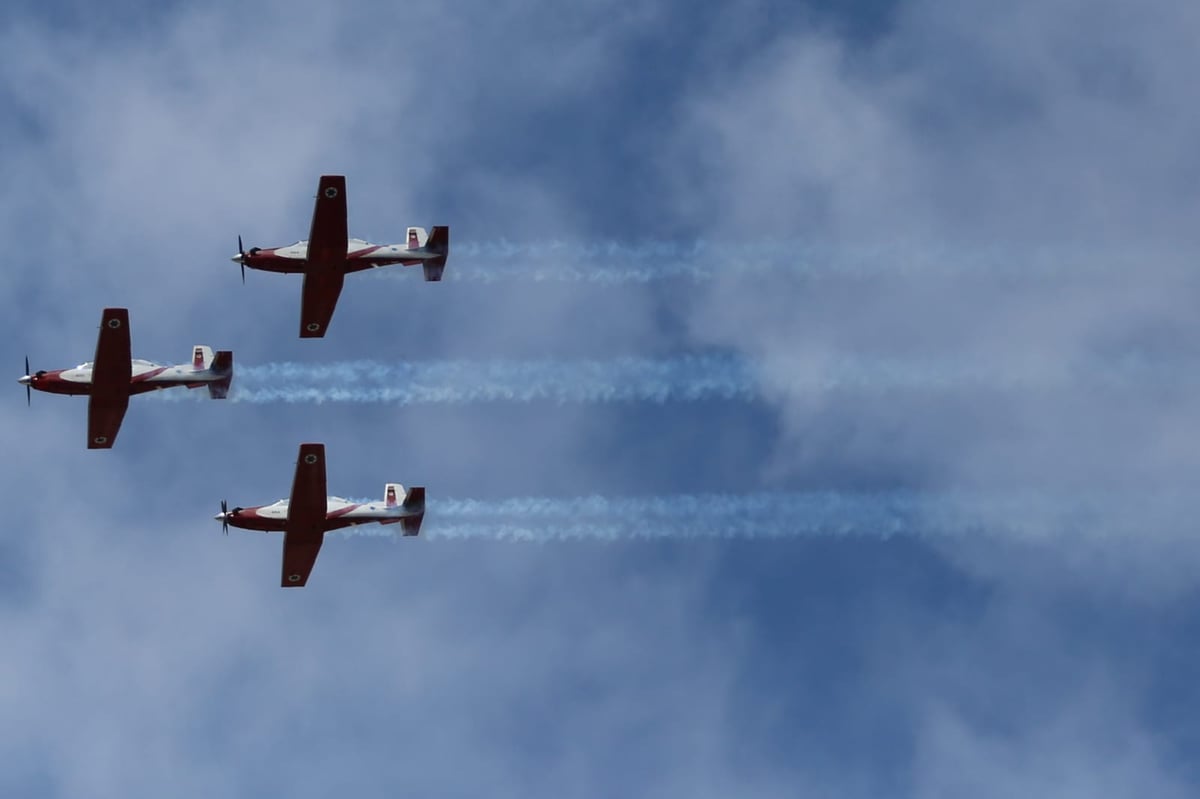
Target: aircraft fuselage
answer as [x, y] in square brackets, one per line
[339, 513]
[146, 376]
[360, 255]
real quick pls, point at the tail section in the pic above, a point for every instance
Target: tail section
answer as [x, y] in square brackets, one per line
[439, 245]
[222, 364]
[414, 502]
[201, 356]
[417, 238]
[413, 506]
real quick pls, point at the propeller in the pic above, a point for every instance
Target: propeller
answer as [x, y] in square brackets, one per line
[226, 513]
[28, 388]
[242, 253]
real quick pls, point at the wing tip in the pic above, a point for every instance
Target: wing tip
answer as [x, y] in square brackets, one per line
[335, 182]
[119, 315]
[311, 454]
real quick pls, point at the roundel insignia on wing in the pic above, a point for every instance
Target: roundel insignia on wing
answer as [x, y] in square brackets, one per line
[331, 192]
[312, 327]
[310, 459]
[100, 440]
[114, 323]
[293, 578]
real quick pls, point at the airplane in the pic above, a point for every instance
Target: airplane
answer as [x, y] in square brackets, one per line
[309, 514]
[114, 376]
[329, 254]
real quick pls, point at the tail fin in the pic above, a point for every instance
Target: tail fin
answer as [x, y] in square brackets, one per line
[414, 501]
[222, 364]
[390, 492]
[201, 356]
[417, 238]
[439, 245]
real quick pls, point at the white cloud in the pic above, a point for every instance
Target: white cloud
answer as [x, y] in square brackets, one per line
[148, 655]
[1035, 156]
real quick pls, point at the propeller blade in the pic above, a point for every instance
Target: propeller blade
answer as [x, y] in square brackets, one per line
[224, 517]
[242, 253]
[28, 389]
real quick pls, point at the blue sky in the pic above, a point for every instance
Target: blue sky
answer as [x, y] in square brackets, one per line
[952, 245]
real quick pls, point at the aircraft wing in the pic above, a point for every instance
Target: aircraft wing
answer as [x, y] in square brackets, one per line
[328, 240]
[318, 298]
[306, 516]
[112, 371]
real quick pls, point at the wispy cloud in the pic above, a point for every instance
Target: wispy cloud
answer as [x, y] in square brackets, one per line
[999, 145]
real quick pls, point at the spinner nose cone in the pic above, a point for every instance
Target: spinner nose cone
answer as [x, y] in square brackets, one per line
[27, 380]
[220, 517]
[237, 259]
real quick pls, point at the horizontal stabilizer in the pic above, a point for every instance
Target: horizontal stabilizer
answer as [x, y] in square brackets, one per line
[414, 501]
[222, 364]
[438, 244]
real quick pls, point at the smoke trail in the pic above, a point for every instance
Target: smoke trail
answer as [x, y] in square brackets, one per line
[879, 515]
[618, 262]
[687, 378]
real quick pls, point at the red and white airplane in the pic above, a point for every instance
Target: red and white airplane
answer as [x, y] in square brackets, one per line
[114, 376]
[309, 514]
[329, 254]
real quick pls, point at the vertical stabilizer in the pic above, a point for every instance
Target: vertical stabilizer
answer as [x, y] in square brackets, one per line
[201, 356]
[391, 494]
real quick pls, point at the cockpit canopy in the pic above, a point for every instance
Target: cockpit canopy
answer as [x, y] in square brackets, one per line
[87, 365]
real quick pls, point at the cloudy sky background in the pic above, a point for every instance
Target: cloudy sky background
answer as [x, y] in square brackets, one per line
[952, 246]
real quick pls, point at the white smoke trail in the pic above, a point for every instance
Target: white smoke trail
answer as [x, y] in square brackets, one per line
[618, 262]
[881, 515]
[686, 378]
